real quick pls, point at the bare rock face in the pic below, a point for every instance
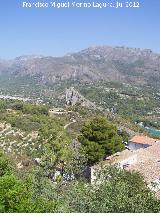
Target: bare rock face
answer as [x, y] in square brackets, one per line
[73, 97]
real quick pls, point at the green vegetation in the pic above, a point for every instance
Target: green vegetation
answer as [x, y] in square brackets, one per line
[29, 130]
[139, 100]
[114, 191]
[18, 195]
[126, 100]
[56, 182]
[100, 139]
[44, 158]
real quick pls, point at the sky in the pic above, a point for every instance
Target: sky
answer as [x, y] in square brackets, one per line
[56, 32]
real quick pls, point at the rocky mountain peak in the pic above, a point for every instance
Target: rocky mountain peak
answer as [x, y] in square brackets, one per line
[123, 64]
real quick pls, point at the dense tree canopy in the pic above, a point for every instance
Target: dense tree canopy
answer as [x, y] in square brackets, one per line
[100, 138]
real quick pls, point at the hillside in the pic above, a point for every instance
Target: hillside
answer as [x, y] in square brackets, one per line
[108, 78]
[127, 65]
[44, 161]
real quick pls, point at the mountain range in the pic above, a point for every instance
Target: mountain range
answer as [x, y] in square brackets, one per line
[127, 65]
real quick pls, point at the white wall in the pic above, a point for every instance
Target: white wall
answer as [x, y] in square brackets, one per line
[129, 161]
[135, 146]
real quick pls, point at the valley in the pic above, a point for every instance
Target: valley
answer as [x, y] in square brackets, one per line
[61, 119]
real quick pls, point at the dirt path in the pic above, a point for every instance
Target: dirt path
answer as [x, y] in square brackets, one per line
[67, 125]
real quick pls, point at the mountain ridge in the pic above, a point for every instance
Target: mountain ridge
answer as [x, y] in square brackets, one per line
[123, 64]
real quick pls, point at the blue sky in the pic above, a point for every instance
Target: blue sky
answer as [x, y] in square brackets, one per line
[57, 32]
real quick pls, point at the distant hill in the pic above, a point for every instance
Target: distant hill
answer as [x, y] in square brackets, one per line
[128, 65]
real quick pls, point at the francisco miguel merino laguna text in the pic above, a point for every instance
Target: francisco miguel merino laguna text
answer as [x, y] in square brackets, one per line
[100, 5]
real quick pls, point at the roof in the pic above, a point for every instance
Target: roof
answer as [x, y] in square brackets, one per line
[142, 139]
[146, 161]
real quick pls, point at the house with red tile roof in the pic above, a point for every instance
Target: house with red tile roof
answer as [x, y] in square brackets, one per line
[140, 141]
[145, 161]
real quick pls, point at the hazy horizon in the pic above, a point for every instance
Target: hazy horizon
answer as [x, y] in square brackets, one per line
[56, 32]
[103, 45]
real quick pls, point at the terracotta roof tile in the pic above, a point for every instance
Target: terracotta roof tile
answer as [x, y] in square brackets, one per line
[142, 139]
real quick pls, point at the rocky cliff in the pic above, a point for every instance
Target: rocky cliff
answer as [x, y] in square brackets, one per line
[73, 97]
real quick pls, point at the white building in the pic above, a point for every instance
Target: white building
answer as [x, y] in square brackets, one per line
[140, 141]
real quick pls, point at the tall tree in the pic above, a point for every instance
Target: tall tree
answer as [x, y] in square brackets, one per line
[100, 138]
